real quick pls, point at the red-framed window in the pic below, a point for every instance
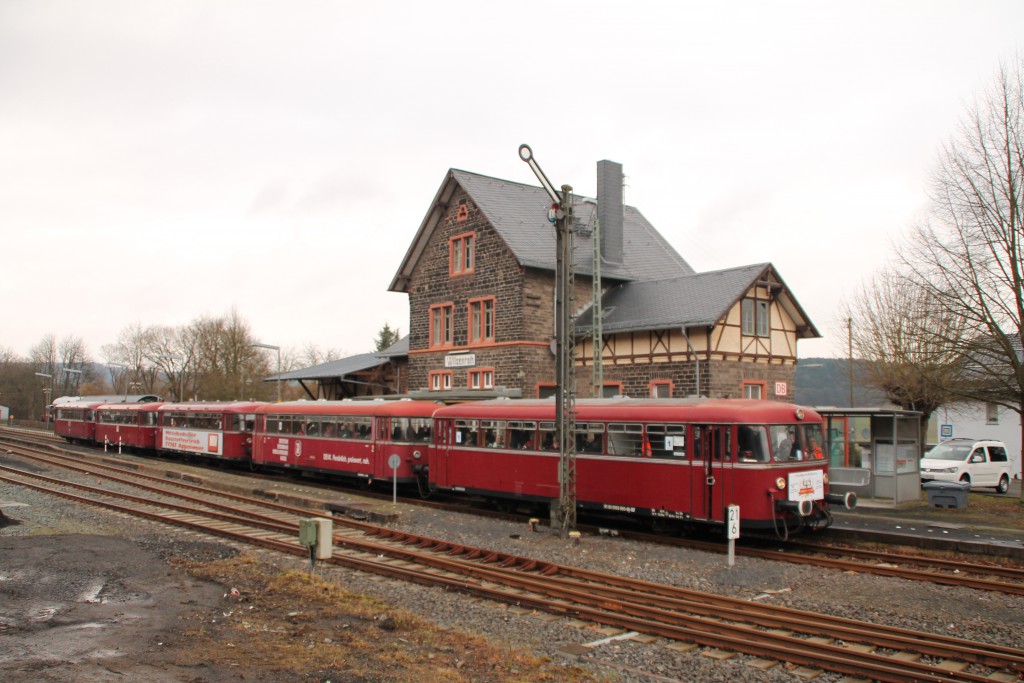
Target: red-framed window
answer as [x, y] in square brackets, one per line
[611, 389]
[441, 380]
[755, 390]
[462, 254]
[480, 378]
[660, 388]
[441, 323]
[481, 320]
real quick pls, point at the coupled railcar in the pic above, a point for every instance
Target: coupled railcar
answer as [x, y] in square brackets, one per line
[669, 459]
[346, 438]
[76, 422]
[127, 425]
[220, 430]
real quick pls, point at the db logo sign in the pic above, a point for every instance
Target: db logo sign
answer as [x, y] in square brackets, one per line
[781, 389]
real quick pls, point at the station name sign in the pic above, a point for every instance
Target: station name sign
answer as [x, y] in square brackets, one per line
[460, 360]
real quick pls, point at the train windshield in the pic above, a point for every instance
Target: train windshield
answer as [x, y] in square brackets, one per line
[753, 443]
[796, 442]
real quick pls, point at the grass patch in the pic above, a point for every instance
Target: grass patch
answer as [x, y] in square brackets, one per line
[283, 625]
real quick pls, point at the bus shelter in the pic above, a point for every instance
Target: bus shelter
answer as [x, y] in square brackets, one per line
[874, 452]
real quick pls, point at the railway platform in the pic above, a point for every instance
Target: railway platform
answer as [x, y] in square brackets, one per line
[974, 529]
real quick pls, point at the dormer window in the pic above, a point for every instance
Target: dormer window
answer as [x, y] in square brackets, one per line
[462, 254]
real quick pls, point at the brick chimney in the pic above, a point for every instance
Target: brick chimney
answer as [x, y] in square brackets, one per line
[609, 210]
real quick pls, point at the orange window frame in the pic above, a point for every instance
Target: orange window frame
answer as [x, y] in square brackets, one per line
[462, 254]
[481, 320]
[763, 386]
[655, 383]
[441, 380]
[480, 378]
[442, 317]
[617, 386]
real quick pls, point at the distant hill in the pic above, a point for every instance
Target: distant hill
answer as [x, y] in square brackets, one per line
[826, 382]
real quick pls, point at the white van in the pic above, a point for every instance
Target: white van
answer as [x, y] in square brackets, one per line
[978, 463]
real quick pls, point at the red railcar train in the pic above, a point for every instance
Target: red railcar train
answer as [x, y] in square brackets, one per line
[662, 459]
[671, 459]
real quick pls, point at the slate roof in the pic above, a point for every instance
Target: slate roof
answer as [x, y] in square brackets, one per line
[518, 213]
[698, 300]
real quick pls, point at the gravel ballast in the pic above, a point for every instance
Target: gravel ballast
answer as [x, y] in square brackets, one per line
[963, 613]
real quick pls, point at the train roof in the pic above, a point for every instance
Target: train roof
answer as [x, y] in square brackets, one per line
[129, 406]
[82, 404]
[109, 398]
[722, 410]
[214, 407]
[401, 408]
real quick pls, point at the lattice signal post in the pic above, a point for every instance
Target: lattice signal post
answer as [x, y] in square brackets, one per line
[561, 214]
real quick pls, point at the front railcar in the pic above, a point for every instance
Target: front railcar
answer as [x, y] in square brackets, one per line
[669, 460]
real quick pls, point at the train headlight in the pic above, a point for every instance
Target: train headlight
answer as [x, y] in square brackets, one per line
[780, 484]
[824, 477]
[417, 455]
[799, 413]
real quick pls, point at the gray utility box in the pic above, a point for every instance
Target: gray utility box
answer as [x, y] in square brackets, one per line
[947, 494]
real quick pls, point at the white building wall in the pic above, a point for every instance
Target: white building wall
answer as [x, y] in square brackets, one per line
[969, 421]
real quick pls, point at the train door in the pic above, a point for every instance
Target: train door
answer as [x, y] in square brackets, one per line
[444, 438]
[380, 448]
[712, 448]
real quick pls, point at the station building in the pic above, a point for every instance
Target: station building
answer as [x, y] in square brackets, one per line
[480, 277]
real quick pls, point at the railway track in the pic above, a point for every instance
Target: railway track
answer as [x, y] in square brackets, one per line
[804, 638]
[997, 578]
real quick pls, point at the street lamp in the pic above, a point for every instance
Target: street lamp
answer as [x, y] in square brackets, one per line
[260, 345]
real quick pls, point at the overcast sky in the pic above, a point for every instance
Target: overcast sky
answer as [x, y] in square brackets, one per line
[160, 161]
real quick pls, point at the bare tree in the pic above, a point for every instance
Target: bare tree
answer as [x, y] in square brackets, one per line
[968, 257]
[310, 355]
[130, 372]
[906, 340]
[171, 350]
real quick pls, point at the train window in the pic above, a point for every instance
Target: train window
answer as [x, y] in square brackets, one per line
[667, 441]
[627, 439]
[589, 437]
[548, 437]
[752, 443]
[467, 432]
[411, 430]
[329, 426]
[493, 432]
[356, 427]
[521, 435]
